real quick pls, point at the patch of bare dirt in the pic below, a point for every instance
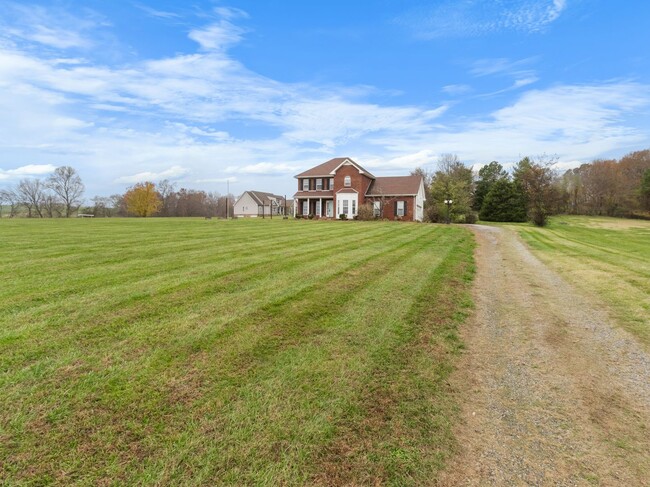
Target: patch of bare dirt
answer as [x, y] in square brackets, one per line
[552, 392]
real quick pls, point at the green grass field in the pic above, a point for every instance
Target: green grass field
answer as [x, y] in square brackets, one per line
[607, 257]
[195, 352]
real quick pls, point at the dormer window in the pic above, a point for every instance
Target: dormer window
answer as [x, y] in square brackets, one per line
[347, 182]
[319, 184]
[305, 184]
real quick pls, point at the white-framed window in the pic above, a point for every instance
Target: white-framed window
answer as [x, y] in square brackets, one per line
[318, 208]
[305, 184]
[354, 207]
[376, 208]
[345, 206]
[331, 183]
[347, 182]
[319, 184]
[401, 206]
[305, 207]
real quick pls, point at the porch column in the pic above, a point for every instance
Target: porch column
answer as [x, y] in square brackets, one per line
[308, 206]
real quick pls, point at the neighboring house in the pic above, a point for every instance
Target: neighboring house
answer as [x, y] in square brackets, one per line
[339, 186]
[258, 204]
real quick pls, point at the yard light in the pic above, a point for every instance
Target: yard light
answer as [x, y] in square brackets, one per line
[448, 203]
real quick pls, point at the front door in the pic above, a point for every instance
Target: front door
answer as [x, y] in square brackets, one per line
[329, 208]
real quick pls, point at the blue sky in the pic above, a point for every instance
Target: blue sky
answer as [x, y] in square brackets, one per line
[254, 92]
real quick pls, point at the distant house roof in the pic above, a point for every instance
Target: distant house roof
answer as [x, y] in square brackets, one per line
[327, 169]
[395, 186]
[265, 199]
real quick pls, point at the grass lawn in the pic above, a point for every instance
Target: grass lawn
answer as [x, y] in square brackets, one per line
[188, 352]
[608, 257]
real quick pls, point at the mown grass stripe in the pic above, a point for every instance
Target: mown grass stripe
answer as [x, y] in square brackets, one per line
[189, 381]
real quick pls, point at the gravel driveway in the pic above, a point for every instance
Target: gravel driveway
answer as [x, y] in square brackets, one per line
[552, 393]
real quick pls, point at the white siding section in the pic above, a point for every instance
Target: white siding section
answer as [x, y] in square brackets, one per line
[246, 206]
[420, 198]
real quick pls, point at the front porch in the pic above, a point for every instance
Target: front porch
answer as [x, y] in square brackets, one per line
[318, 207]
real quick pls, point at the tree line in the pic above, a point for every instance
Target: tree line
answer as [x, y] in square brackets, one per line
[534, 189]
[148, 199]
[61, 195]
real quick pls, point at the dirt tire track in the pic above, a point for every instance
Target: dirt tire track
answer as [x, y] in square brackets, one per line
[551, 392]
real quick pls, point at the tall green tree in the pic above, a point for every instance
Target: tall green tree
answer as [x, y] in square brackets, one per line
[487, 176]
[503, 203]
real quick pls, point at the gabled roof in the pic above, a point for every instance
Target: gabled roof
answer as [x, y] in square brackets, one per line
[327, 169]
[395, 186]
[264, 199]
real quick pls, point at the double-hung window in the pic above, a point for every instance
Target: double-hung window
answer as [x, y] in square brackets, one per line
[401, 207]
[305, 208]
[319, 184]
[331, 183]
[305, 184]
[347, 182]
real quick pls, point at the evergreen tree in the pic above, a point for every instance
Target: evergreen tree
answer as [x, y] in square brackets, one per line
[503, 203]
[487, 176]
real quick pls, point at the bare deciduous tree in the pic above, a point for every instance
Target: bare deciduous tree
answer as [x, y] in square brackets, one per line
[9, 197]
[67, 184]
[31, 195]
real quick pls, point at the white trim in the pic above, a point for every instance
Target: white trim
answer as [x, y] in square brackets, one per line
[348, 162]
[347, 198]
[347, 190]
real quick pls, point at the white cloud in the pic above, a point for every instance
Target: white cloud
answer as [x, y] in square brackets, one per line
[51, 27]
[470, 18]
[456, 90]
[27, 171]
[265, 168]
[174, 172]
[217, 36]
[218, 180]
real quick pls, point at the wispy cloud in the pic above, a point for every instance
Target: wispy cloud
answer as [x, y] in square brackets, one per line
[456, 90]
[265, 168]
[162, 14]
[174, 172]
[54, 28]
[471, 18]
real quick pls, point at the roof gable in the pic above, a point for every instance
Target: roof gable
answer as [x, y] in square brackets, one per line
[329, 168]
[264, 199]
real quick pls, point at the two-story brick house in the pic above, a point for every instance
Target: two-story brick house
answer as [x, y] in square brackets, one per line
[339, 186]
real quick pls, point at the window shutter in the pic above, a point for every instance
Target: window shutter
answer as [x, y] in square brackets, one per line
[395, 212]
[405, 208]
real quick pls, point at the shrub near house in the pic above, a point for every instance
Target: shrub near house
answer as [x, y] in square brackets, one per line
[339, 187]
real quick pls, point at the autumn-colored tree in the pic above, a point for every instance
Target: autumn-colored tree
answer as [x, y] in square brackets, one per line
[534, 180]
[142, 199]
[452, 181]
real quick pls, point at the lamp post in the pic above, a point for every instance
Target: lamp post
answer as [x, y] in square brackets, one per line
[448, 203]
